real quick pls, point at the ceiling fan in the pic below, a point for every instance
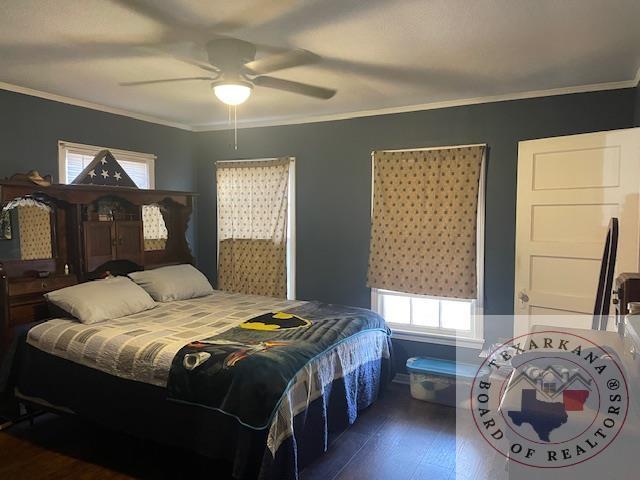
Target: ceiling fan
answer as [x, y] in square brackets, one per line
[234, 71]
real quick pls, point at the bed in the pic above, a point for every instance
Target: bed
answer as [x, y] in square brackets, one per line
[258, 382]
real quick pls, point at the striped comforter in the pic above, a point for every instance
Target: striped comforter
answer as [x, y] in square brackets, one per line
[141, 347]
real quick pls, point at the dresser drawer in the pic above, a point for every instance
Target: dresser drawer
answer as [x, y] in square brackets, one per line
[40, 285]
[27, 312]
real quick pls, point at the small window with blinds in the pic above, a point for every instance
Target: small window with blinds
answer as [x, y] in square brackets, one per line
[73, 158]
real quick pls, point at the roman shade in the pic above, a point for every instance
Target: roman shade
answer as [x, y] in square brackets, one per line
[253, 201]
[424, 221]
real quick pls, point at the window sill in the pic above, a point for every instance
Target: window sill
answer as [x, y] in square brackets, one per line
[464, 342]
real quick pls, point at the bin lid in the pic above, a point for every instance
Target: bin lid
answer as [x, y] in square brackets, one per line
[442, 367]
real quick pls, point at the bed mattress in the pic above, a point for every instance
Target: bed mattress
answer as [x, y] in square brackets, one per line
[285, 387]
[141, 347]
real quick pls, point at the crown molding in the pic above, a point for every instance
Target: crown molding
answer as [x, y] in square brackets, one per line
[424, 106]
[93, 106]
[301, 119]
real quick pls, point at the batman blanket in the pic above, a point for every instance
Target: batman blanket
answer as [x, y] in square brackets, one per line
[245, 371]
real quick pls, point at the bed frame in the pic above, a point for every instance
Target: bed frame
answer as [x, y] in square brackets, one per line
[85, 247]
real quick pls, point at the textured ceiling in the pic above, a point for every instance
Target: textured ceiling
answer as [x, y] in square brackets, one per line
[377, 53]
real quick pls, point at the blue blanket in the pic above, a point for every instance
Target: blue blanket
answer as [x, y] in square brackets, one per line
[245, 371]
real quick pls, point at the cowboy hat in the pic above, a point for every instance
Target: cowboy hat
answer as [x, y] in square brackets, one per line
[34, 177]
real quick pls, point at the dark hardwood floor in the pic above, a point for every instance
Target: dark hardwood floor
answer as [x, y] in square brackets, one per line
[398, 438]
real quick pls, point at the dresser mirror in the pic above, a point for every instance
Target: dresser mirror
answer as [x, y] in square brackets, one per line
[26, 230]
[154, 228]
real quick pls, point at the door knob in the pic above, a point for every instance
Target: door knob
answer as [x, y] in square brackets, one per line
[523, 297]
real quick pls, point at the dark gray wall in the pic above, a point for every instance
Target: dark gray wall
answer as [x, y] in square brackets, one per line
[333, 173]
[637, 107]
[30, 128]
[334, 182]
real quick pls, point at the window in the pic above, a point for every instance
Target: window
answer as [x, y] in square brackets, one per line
[430, 318]
[433, 317]
[74, 157]
[256, 226]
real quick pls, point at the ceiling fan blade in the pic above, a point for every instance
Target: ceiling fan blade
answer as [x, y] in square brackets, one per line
[185, 51]
[38, 54]
[294, 87]
[163, 16]
[281, 61]
[183, 57]
[163, 80]
[257, 13]
[176, 22]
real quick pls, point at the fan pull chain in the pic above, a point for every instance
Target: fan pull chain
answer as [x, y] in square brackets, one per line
[235, 126]
[229, 112]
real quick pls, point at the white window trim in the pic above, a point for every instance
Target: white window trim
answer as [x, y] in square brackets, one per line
[438, 335]
[461, 338]
[291, 232]
[439, 339]
[79, 148]
[291, 224]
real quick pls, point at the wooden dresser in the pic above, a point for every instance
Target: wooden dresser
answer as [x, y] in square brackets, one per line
[55, 236]
[25, 302]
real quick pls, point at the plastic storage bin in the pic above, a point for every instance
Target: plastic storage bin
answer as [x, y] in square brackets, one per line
[442, 381]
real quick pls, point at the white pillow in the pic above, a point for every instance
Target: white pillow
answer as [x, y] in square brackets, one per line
[100, 300]
[177, 282]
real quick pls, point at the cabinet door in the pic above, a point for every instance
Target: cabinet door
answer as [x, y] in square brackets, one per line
[129, 240]
[99, 243]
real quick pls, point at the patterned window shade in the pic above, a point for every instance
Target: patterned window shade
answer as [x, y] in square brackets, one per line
[153, 223]
[424, 221]
[252, 226]
[35, 232]
[155, 232]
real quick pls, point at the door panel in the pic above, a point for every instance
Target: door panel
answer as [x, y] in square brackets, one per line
[571, 276]
[99, 243]
[582, 167]
[129, 240]
[568, 189]
[589, 222]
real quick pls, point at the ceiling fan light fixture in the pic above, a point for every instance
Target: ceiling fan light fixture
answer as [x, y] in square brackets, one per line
[232, 93]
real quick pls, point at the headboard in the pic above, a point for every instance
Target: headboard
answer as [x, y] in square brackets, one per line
[92, 230]
[118, 268]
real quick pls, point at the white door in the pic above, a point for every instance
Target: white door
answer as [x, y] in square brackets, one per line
[568, 189]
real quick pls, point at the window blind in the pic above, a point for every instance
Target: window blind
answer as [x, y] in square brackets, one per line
[76, 163]
[137, 170]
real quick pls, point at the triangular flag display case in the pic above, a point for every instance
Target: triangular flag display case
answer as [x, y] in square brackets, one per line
[104, 169]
